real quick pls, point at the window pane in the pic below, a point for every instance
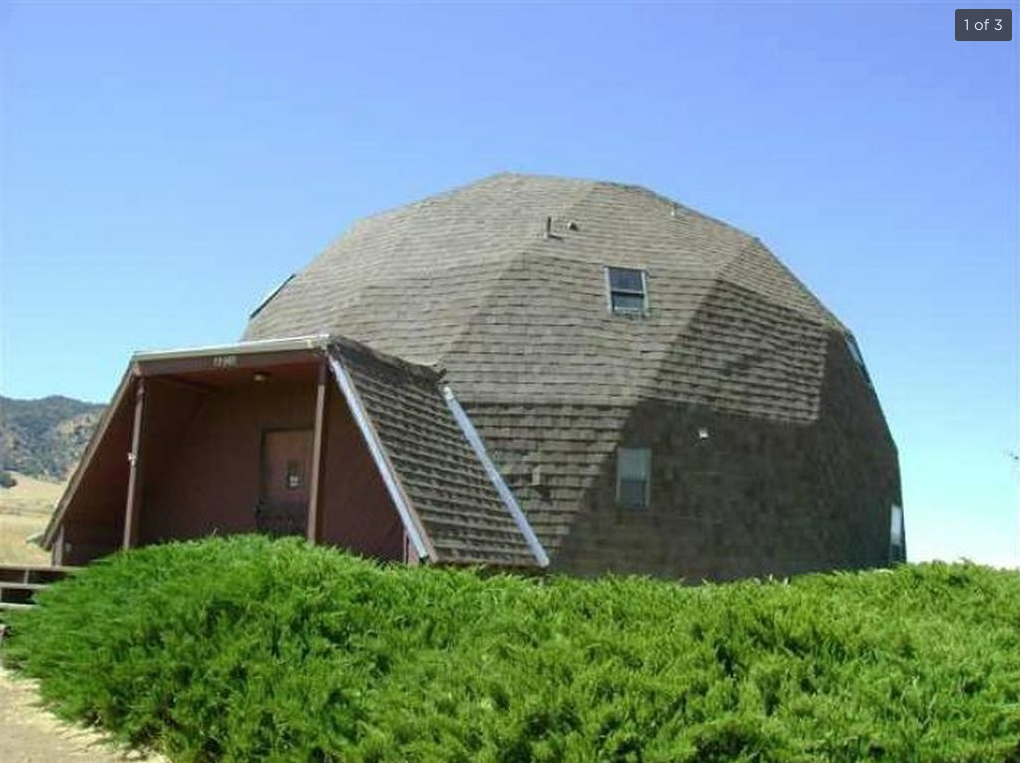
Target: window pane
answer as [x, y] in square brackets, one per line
[633, 476]
[633, 463]
[632, 494]
[896, 531]
[628, 302]
[626, 279]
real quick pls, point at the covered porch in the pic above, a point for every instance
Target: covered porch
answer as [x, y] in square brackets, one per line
[315, 436]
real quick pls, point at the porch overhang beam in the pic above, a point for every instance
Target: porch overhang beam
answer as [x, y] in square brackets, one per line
[224, 362]
[266, 352]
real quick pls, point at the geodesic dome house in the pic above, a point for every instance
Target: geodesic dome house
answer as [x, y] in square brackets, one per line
[661, 394]
[527, 372]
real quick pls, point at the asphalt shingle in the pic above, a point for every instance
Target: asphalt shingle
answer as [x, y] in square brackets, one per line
[467, 282]
[461, 511]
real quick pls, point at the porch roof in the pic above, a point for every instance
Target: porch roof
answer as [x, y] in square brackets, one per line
[451, 499]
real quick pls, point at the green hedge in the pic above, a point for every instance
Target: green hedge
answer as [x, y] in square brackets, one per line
[245, 649]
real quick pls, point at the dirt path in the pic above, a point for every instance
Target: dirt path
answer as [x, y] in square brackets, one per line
[29, 734]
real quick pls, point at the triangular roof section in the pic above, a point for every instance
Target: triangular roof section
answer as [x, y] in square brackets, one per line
[440, 474]
[452, 501]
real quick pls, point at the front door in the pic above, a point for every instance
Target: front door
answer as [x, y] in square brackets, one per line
[286, 468]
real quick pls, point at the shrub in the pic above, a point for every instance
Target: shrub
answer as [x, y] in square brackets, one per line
[245, 649]
[7, 479]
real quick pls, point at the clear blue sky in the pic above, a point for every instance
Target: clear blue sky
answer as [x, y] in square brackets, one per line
[163, 166]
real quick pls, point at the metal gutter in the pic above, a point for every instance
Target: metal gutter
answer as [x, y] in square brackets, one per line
[407, 515]
[464, 422]
[308, 342]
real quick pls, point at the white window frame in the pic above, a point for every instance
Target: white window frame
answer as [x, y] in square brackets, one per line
[646, 461]
[645, 302]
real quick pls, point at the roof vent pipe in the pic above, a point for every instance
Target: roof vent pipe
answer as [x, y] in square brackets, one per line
[548, 227]
[672, 211]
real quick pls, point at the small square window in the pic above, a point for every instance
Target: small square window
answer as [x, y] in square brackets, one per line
[633, 477]
[628, 290]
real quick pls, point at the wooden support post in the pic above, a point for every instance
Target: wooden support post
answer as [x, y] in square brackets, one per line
[57, 552]
[134, 491]
[318, 455]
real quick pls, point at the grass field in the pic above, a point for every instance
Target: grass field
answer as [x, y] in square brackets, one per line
[243, 649]
[24, 511]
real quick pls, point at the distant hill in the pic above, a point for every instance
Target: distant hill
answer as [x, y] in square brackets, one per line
[46, 437]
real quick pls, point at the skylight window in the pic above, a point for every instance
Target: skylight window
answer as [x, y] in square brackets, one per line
[628, 291]
[633, 477]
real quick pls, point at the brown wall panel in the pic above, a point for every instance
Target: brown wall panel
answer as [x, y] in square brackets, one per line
[91, 539]
[204, 459]
[208, 480]
[94, 524]
[359, 514]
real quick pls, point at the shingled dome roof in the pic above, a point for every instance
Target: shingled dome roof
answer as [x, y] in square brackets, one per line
[504, 285]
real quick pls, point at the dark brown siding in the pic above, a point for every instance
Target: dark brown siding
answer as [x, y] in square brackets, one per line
[754, 498]
[209, 480]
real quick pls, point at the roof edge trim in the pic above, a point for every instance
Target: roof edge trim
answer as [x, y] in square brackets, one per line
[468, 428]
[307, 342]
[412, 525]
[269, 297]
